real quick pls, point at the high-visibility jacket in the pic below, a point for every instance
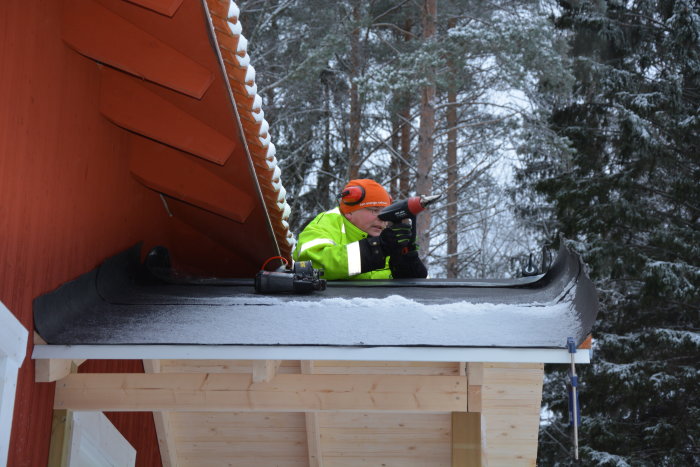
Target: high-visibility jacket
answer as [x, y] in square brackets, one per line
[331, 242]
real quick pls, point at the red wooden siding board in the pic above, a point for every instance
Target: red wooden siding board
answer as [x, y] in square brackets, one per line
[128, 104]
[104, 36]
[164, 7]
[184, 178]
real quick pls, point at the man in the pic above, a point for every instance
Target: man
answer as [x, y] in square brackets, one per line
[351, 242]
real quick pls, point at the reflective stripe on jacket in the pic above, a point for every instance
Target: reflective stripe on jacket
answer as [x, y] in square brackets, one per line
[330, 241]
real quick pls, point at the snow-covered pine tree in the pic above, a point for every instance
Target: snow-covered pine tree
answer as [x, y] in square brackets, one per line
[628, 194]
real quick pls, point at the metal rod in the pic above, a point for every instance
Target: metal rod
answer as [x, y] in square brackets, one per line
[574, 399]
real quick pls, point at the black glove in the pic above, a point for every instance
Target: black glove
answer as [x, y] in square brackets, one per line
[397, 240]
[399, 243]
[408, 266]
[372, 254]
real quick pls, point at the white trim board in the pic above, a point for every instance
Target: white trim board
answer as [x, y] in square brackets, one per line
[13, 348]
[13, 337]
[252, 352]
[96, 442]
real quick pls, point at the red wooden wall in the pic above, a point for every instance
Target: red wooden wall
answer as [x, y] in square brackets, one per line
[67, 199]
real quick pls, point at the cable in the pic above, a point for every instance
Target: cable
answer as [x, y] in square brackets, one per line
[284, 260]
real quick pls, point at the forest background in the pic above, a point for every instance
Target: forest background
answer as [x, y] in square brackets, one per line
[534, 119]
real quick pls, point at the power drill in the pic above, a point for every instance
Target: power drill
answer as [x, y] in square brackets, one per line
[407, 208]
[301, 278]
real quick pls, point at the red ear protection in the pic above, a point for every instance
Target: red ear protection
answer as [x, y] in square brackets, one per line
[352, 195]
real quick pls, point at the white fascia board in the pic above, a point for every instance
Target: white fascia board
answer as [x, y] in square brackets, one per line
[13, 337]
[252, 352]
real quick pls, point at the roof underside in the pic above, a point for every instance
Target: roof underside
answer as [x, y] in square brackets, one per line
[177, 78]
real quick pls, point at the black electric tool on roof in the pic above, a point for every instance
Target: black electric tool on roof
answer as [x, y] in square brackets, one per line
[301, 278]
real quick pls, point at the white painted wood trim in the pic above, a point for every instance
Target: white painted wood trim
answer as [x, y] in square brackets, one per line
[95, 441]
[13, 348]
[253, 352]
[13, 337]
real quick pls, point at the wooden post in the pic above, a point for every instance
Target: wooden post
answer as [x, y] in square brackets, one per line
[313, 430]
[466, 439]
[161, 420]
[61, 434]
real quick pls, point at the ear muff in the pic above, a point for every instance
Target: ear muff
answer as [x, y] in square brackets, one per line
[352, 195]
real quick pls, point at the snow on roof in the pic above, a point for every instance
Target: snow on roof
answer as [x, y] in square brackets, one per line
[248, 319]
[115, 305]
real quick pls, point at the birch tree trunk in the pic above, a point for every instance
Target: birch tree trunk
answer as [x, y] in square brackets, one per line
[424, 179]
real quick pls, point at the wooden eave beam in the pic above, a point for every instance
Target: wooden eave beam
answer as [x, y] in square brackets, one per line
[106, 37]
[161, 420]
[164, 7]
[183, 177]
[265, 370]
[475, 377]
[130, 105]
[53, 369]
[238, 393]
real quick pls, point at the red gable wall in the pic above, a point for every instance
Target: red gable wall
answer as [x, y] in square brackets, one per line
[67, 199]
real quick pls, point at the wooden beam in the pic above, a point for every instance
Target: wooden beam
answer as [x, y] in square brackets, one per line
[61, 435]
[236, 392]
[164, 7]
[166, 440]
[511, 397]
[265, 370]
[475, 378]
[308, 367]
[466, 439]
[130, 105]
[313, 439]
[313, 429]
[462, 368]
[48, 371]
[106, 37]
[185, 178]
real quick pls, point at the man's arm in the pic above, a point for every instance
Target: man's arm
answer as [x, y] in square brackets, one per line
[324, 248]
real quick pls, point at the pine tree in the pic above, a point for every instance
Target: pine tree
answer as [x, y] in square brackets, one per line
[622, 177]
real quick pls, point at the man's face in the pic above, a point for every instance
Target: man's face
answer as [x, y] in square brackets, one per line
[366, 220]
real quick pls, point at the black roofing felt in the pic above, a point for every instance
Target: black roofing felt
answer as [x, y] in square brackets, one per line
[121, 302]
